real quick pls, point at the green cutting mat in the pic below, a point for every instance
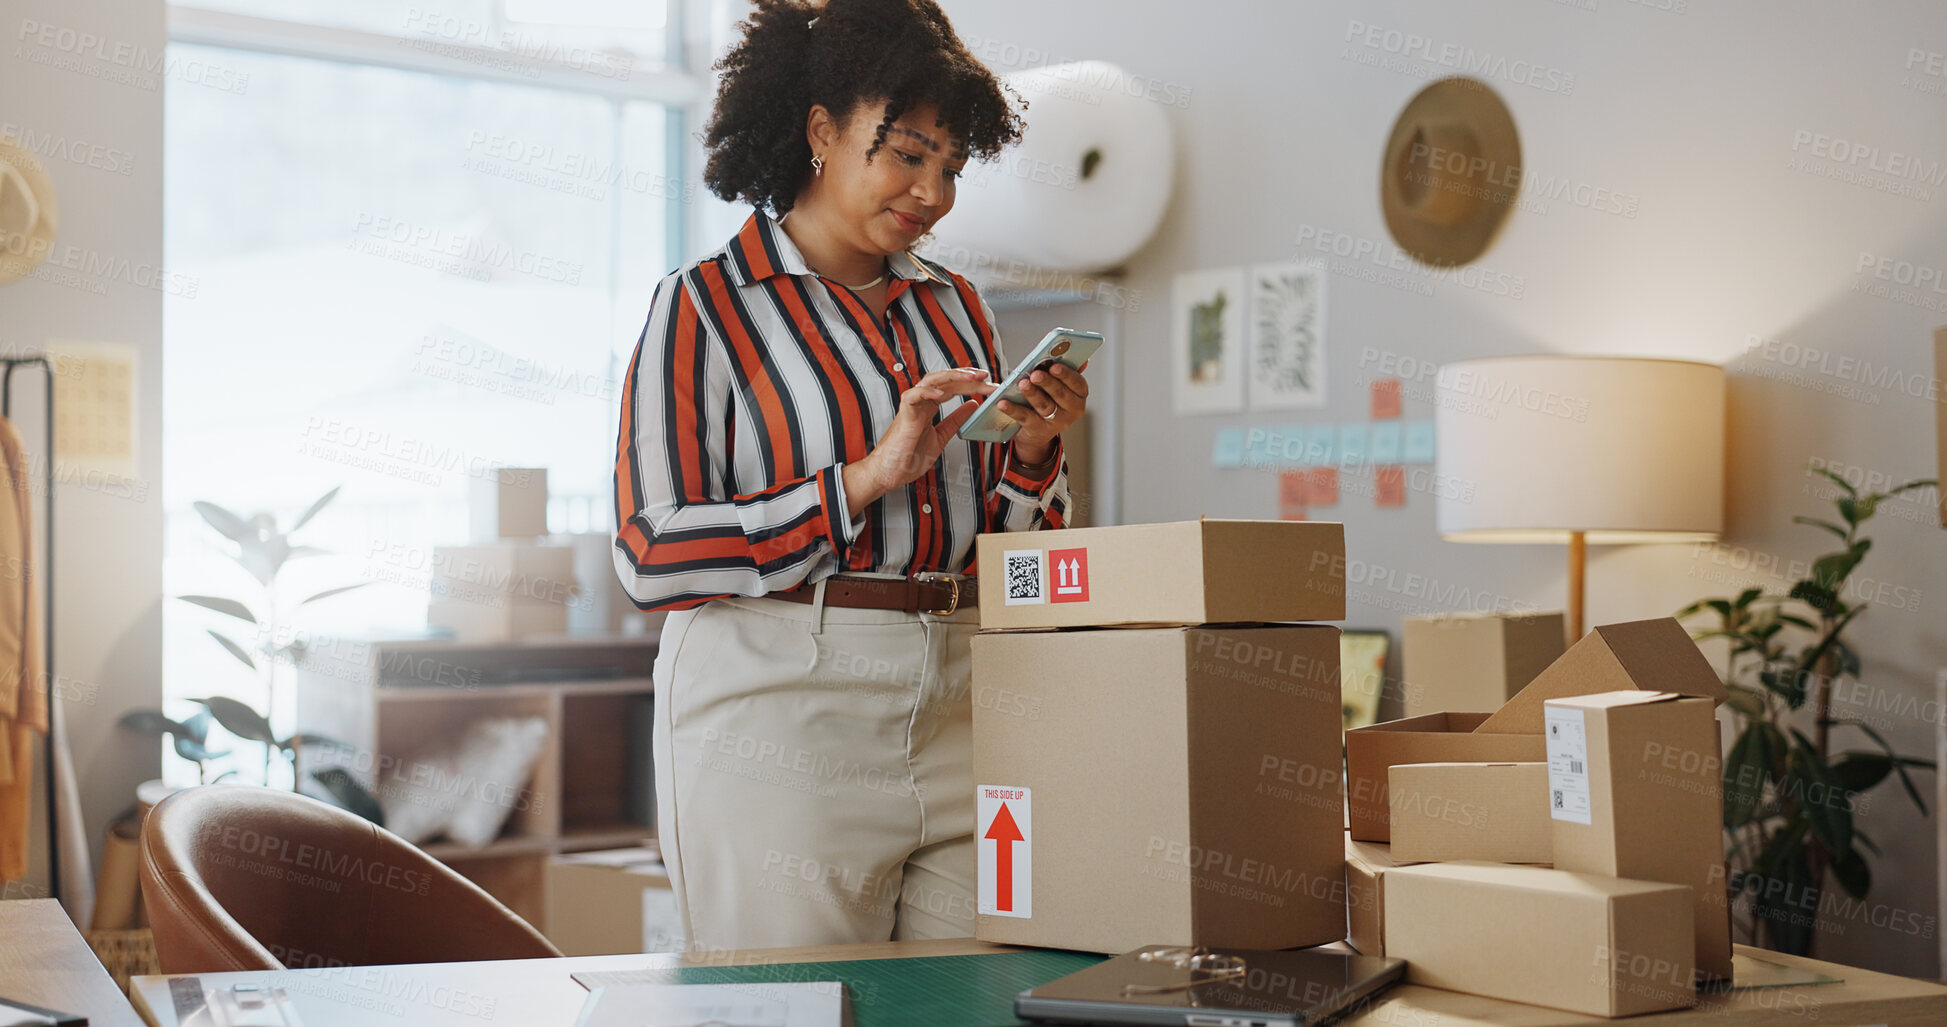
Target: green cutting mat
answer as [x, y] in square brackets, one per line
[939, 991]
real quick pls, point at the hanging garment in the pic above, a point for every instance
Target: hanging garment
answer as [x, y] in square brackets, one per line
[23, 690]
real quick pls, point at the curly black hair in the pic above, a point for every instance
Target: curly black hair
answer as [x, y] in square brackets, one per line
[902, 52]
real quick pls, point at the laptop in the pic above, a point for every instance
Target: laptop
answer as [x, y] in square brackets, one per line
[1170, 985]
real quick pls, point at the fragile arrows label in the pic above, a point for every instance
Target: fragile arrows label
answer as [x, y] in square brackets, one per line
[1069, 569]
[1005, 832]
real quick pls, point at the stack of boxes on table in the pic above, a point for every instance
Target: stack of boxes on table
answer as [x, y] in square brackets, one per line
[1157, 760]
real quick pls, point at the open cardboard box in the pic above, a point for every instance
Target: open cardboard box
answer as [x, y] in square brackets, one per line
[1656, 655]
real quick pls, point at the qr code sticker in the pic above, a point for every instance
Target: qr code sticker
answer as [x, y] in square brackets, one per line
[1027, 576]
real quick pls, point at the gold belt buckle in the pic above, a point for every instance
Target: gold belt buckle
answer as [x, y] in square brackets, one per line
[954, 603]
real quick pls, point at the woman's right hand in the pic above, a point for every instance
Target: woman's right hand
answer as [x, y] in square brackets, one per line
[914, 443]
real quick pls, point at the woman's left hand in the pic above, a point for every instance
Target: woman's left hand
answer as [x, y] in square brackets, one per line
[1058, 397]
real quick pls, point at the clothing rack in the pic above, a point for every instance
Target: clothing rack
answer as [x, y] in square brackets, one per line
[10, 365]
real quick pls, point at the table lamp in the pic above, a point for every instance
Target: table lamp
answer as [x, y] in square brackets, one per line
[1580, 450]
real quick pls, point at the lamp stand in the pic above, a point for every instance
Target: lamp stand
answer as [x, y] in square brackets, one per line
[1578, 558]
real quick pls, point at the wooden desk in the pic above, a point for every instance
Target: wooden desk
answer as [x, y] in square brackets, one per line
[45, 962]
[539, 992]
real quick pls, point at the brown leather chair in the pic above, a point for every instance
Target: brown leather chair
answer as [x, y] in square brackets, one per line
[237, 877]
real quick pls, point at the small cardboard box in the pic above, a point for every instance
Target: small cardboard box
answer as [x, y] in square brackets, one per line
[1635, 790]
[1472, 663]
[1481, 811]
[1158, 786]
[508, 502]
[1433, 738]
[1366, 865]
[1590, 944]
[615, 901]
[1188, 572]
[1653, 654]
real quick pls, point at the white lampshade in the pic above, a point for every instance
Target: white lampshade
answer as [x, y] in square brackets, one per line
[1534, 448]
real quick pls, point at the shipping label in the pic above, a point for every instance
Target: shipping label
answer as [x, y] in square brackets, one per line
[1568, 764]
[1004, 828]
[1027, 576]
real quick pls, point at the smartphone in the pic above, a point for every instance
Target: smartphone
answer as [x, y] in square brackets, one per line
[1064, 345]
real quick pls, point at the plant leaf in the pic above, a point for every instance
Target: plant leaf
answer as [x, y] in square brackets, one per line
[235, 649]
[1827, 525]
[1838, 479]
[332, 592]
[307, 738]
[1831, 820]
[198, 726]
[1815, 595]
[1746, 597]
[222, 604]
[312, 510]
[195, 751]
[1746, 700]
[1858, 771]
[239, 719]
[153, 722]
[1849, 867]
[1745, 769]
[347, 792]
[232, 527]
[1900, 763]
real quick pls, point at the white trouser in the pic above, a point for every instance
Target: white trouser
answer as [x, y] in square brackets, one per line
[813, 773]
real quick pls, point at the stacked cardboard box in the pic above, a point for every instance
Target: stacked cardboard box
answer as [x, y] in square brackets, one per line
[1606, 765]
[1173, 779]
[1474, 662]
[499, 591]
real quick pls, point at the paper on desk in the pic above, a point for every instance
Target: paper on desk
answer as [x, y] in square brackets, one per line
[14, 1016]
[757, 1004]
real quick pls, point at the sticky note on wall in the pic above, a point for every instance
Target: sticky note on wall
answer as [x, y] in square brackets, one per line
[1383, 445]
[1228, 449]
[1352, 443]
[1418, 447]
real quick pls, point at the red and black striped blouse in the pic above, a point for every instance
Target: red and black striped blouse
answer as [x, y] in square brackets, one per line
[754, 381]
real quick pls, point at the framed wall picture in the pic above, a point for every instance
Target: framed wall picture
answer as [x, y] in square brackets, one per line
[1286, 328]
[1207, 341]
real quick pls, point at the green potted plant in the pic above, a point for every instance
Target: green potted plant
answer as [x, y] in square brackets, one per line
[262, 550]
[1788, 798]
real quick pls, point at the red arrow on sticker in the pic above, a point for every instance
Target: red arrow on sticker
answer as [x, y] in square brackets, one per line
[1005, 832]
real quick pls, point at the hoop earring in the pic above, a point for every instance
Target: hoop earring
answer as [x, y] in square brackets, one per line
[817, 165]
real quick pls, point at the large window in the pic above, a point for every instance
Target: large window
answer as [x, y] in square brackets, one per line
[399, 279]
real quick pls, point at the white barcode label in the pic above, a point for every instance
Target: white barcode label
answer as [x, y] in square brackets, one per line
[1568, 764]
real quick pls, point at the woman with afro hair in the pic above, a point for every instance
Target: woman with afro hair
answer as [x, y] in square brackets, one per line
[789, 485]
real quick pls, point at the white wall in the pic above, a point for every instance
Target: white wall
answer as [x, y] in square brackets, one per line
[1694, 112]
[83, 81]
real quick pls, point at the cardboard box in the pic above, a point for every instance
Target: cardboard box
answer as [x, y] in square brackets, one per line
[1434, 738]
[1366, 865]
[1158, 786]
[1472, 663]
[1645, 654]
[508, 502]
[483, 622]
[615, 901]
[1189, 572]
[1636, 790]
[1478, 811]
[1590, 944]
